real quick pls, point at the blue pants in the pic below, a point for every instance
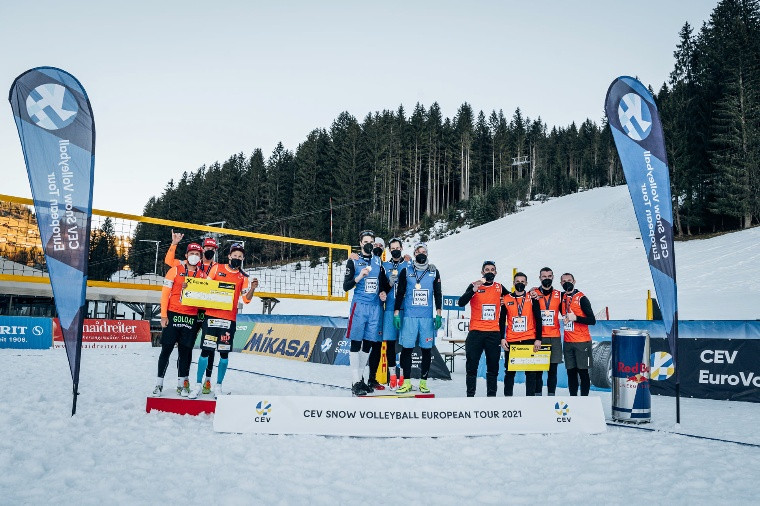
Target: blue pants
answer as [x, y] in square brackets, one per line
[417, 331]
[364, 322]
[390, 333]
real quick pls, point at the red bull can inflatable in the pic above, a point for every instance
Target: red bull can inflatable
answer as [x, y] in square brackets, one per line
[631, 397]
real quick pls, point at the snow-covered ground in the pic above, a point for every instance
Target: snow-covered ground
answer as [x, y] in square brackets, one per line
[112, 452]
[594, 235]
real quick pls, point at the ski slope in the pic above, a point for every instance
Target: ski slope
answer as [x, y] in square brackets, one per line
[594, 235]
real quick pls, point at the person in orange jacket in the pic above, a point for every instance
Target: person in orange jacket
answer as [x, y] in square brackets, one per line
[218, 331]
[210, 248]
[577, 315]
[178, 321]
[550, 300]
[523, 324]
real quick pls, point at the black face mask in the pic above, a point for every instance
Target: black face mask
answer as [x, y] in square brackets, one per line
[208, 254]
[489, 276]
[235, 263]
[546, 283]
[567, 286]
[367, 248]
[396, 253]
[377, 252]
[421, 258]
[519, 287]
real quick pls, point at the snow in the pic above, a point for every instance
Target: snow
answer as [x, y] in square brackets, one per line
[113, 452]
[594, 235]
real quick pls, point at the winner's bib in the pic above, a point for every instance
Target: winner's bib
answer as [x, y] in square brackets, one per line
[420, 297]
[547, 317]
[519, 324]
[488, 312]
[569, 326]
[370, 285]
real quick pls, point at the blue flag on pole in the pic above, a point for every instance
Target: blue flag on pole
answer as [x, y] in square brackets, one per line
[57, 131]
[636, 128]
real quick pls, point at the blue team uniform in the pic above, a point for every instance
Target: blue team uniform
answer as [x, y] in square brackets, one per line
[366, 309]
[417, 324]
[390, 332]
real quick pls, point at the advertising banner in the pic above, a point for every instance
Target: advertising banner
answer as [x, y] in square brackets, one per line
[450, 303]
[25, 332]
[294, 342]
[410, 417]
[115, 334]
[709, 368]
[56, 127]
[208, 293]
[331, 347]
[523, 358]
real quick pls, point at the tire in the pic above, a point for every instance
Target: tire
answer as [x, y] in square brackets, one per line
[601, 371]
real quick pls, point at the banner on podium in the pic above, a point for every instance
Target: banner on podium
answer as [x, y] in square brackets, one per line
[368, 417]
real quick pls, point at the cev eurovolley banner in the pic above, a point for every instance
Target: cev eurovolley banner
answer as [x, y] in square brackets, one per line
[636, 128]
[57, 131]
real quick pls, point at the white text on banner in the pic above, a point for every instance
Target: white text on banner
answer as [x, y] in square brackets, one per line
[346, 416]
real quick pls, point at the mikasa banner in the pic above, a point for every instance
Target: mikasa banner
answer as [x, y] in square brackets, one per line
[350, 416]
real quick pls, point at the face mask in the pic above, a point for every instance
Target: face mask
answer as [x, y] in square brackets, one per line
[421, 258]
[520, 287]
[489, 276]
[568, 286]
[367, 248]
[208, 254]
[377, 252]
[546, 283]
[193, 259]
[396, 253]
[235, 263]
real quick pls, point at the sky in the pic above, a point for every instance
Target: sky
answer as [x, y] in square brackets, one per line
[176, 85]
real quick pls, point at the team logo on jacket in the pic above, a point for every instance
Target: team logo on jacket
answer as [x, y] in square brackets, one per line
[51, 106]
[635, 117]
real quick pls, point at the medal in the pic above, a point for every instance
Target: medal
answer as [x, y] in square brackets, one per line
[418, 286]
[394, 272]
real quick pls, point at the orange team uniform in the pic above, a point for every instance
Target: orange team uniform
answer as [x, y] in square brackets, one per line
[550, 309]
[575, 332]
[221, 272]
[521, 325]
[485, 308]
[171, 293]
[171, 260]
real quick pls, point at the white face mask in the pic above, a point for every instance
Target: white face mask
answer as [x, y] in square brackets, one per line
[193, 259]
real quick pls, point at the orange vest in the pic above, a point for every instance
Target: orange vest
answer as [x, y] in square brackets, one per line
[520, 322]
[172, 291]
[550, 306]
[220, 272]
[485, 308]
[575, 332]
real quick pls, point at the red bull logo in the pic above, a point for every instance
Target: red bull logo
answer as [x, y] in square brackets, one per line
[638, 367]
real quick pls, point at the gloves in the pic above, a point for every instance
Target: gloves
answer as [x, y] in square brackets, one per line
[438, 322]
[397, 321]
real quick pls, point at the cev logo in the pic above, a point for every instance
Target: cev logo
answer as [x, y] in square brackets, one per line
[562, 410]
[662, 366]
[635, 117]
[263, 408]
[51, 106]
[718, 356]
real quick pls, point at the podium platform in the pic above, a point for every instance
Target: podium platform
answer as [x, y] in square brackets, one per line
[180, 405]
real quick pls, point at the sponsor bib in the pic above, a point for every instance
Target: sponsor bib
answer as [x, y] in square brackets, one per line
[569, 326]
[547, 317]
[420, 297]
[218, 323]
[209, 341]
[370, 285]
[519, 324]
[488, 312]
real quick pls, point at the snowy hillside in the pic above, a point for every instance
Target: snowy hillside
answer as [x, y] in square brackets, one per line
[595, 236]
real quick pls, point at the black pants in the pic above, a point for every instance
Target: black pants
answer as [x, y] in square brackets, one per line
[479, 341]
[572, 381]
[374, 359]
[406, 362]
[531, 377]
[551, 380]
